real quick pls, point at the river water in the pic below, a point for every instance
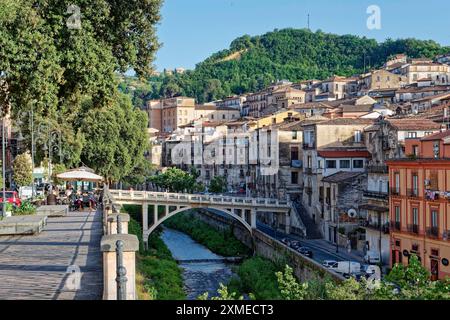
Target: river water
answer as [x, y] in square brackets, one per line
[199, 277]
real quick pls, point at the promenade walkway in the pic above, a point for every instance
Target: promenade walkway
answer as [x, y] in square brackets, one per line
[36, 267]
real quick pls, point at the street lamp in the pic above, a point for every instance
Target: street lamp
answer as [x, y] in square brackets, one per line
[3, 167]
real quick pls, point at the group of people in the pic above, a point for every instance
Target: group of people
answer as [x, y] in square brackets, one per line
[80, 200]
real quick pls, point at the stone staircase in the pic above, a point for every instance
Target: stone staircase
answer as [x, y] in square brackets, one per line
[312, 231]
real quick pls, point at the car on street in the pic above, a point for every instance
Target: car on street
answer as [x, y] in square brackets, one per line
[305, 251]
[11, 197]
[372, 257]
[347, 268]
[329, 263]
[295, 244]
[286, 241]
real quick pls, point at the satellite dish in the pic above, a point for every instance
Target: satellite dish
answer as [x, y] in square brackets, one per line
[352, 213]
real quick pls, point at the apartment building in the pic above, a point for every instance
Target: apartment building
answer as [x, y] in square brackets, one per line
[167, 115]
[419, 69]
[381, 79]
[235, 102]
[330, 147]
[419, 206]
[385, 140]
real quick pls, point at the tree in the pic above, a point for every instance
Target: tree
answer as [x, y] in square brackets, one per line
[176, 180]
[218, 184]
[22, 170]
[116, 139]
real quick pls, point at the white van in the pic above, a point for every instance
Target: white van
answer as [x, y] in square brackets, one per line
[25, 192]
[346, 267]
[372, 257]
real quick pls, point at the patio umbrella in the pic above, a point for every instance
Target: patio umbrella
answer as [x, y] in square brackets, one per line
[80, 174]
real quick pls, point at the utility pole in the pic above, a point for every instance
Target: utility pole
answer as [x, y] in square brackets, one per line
[3, 167]
[308, 23]
[33, 188]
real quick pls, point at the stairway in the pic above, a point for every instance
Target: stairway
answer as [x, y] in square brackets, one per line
[312, 231]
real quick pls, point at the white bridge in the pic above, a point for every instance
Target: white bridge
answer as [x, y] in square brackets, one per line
[166, 205]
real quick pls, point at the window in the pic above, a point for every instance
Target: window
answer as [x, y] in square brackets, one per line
[294, 135]
[294, 177]
[358, 164]
[223, 116]
[309, 159]
[415, 184]
[331, 164]
[415, 150]
[415, 216]
[294, 153]
[397, 214]
[357, 136]
[319, 164]
[434, 219]
[397, 182]
[412, 135]
[344, 164]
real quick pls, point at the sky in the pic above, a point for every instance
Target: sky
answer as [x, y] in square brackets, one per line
[191, 30]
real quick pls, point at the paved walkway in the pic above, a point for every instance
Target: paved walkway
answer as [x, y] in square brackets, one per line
[35, 267]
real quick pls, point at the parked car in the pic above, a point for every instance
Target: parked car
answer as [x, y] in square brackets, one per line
[347, 268]
[372, 257]
[329, 263]
[25, 192]
[305, 251]
[286, 241]
[11, 197]
[295, 244]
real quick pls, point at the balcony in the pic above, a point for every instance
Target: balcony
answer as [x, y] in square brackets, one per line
[394, 191]
[308, 146]
[308, 170]
[431, 195]
[413, 228]
[433, 232]
[395, 225]
[413, 193]
[376, 194]
[376, 226]
[377, 168]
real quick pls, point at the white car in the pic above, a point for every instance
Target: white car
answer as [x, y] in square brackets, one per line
[372, 257]
[347, 267]
[329, 263]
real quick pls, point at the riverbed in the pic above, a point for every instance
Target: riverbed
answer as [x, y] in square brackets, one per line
[198, 277]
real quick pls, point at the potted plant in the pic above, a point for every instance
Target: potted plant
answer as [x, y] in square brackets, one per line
[26, 208]
[8, 209]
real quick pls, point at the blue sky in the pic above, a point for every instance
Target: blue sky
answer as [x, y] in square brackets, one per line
[191, 30]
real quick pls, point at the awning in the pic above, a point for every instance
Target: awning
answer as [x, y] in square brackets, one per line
[80, 174]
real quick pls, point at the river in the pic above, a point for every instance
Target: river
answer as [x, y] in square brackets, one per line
[199, 277]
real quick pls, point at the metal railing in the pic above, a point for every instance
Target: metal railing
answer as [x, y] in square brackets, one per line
[376, 194]
[196, 198]
[377, 168]
[395, 225]
[413, 228]
[394, 192]
[432, 232]
[413, 193]
[376, 226]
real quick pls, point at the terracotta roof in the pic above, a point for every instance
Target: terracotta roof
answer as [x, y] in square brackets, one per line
[413, 124]
[437, 136]
[347, 121]
[357, 108]
[341, 176]
[344, 153]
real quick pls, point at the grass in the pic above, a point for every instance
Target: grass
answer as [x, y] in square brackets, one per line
[158, 275]
[256, 276]
[219, 242]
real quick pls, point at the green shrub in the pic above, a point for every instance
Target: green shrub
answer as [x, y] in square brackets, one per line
[25, 208]
[220, 242]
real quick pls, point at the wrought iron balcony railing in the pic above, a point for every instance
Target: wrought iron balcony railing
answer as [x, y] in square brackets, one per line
[413, 193]
[433, 232]
[413, 228]
[395, 225]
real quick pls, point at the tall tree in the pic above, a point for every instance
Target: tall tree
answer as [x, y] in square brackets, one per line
[22, 170]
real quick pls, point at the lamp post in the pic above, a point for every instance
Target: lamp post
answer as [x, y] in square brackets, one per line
[3, 167]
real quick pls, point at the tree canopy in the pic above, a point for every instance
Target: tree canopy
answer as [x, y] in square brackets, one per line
[251, 63]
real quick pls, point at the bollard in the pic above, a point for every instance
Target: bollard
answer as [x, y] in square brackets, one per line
[121, 272]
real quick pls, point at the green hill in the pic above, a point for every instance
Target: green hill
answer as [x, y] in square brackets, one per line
[251, 63]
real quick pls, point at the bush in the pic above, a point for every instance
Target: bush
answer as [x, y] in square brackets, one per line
[257, 275]
[25, 208]
[220, 242]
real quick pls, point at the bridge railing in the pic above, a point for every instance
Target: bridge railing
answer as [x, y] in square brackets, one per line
[200, 198]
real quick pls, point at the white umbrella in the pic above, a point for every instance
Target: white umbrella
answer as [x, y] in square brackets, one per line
[80, 174]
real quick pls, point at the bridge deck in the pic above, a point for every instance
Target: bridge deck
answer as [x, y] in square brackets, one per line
[34, 267]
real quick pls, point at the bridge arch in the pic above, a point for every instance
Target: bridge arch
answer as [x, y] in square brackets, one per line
[147, 232]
